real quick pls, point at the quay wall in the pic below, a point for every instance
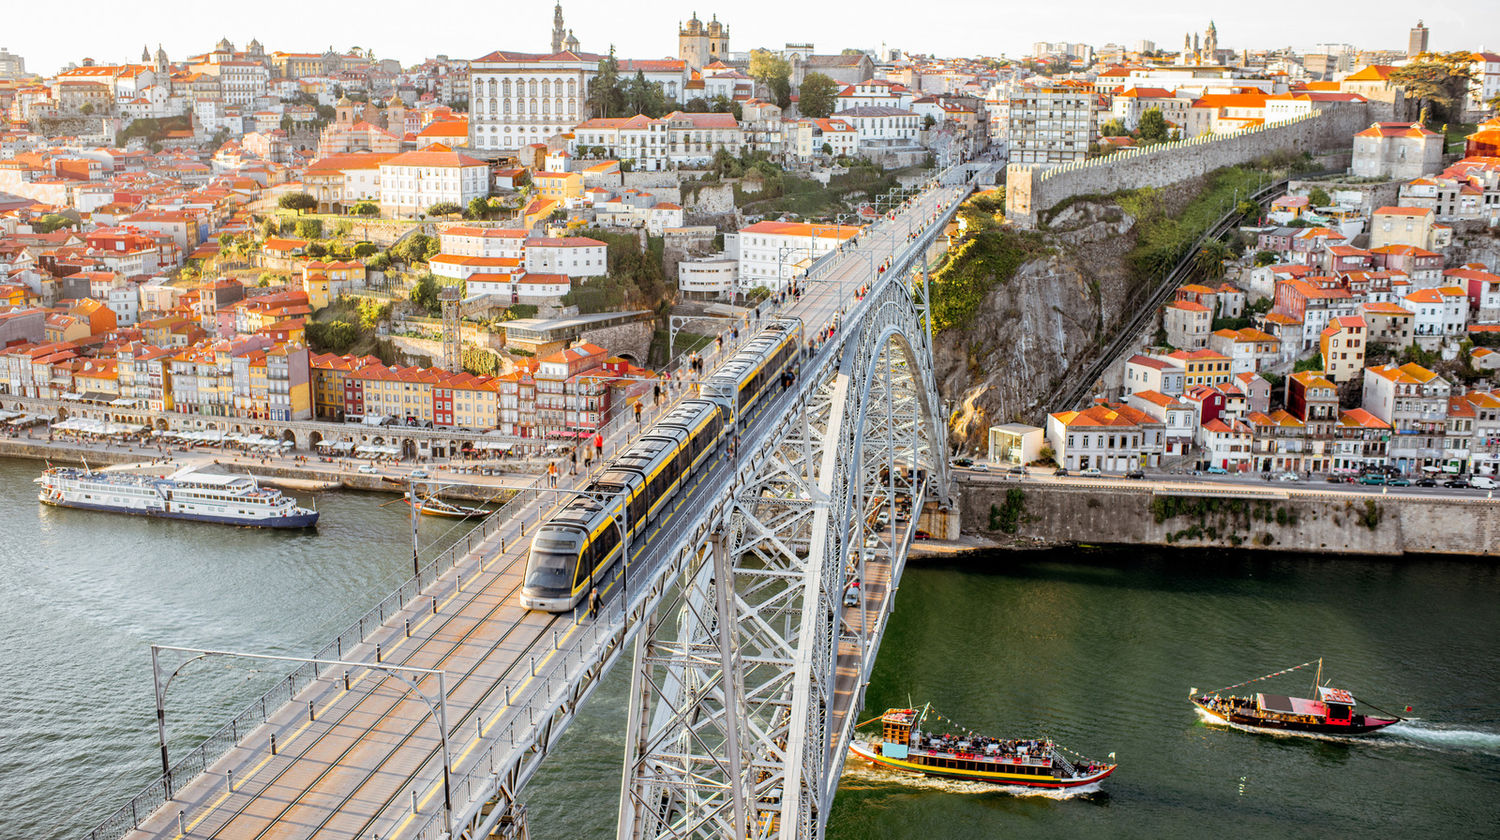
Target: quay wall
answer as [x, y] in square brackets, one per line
[288, 476]
[1032, 190]
[1124, 513]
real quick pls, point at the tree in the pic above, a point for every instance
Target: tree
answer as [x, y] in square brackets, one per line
[1210, 259]
[643, 97]
[362, 250]
[697, 105]
[818, 96]
[1113, 128]
[425, 295]
[299, 201]
[605, 98]
[365, 208]
[444, 208]
[1264, 258]
[478, 208]
[309, 229]
[827, 149]
[724, 105]
[1317, 197]
[1440, 80]
[1153, 127]
[928, 121]
[88, 108]
[775, 73]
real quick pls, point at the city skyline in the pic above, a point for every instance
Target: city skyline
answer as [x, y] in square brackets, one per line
[388, 31]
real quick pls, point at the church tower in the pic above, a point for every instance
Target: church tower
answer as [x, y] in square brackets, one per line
[163, 67]
[718, 41]
[559, 32]
[1211, 44]
[692, 43]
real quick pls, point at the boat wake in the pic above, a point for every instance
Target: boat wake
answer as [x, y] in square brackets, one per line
[1440, 737]
[1409, 733]
[861, 772]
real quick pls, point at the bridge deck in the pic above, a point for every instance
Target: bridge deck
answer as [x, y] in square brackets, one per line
[367, 759]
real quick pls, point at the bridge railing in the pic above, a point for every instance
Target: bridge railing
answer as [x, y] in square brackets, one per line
[227, 737]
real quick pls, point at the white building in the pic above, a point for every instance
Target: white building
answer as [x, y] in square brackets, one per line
[472, 241]
[412, 182]
[573, 256]
[1050, 124]
[885, 126]
[707, 277]
[772, 253]
[517, 99]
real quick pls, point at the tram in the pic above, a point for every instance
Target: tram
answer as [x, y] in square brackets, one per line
[575, 547]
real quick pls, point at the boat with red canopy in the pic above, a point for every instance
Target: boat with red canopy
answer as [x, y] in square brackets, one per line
[1332, 713]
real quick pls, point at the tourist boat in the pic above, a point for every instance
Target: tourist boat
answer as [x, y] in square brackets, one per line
[433, 506]
[185, 494]
[1332, 713]
[1031, 763]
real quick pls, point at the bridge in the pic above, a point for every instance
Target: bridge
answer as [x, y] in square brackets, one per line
[427, 718]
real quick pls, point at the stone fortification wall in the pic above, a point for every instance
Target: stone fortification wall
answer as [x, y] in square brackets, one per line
[1032, 190]
[650, 181]
[1120, 512]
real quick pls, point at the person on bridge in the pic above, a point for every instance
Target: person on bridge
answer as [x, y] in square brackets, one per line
[552, 473]
[638, 414]
[593, 602]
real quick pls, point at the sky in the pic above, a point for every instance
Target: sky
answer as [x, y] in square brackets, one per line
[411, 31]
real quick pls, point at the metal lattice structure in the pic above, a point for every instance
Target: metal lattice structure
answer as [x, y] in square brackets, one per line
[743, 696]
[452, 329]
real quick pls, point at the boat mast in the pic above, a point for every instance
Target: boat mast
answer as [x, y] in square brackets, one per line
[1318, 680]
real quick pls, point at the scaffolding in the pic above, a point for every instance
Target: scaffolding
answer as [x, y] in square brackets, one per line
[452, 330]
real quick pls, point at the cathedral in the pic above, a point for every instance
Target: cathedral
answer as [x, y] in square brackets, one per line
[562, 38]
[1204, 52]
[701, 45]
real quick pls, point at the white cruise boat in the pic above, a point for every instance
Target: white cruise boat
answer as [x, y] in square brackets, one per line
[200, 497]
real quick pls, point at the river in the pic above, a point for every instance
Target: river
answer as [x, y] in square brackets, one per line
[1095, 648]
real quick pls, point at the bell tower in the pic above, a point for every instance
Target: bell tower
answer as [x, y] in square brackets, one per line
[559, 32]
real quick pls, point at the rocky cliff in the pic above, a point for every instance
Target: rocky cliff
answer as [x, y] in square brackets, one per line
[1032, 330]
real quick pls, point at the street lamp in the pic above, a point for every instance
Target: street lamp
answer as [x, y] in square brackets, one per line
[438, 706]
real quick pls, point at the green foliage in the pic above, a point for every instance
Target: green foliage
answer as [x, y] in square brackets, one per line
[1163, 239]
[1414, 354]
[332, 336]
[415, 248]
[643, 97]
[372, 312]
[697, 105]
[1440, 81]
[1264, 258]
[479, 361]
[517, 311]
[605, 97]
[309, 229]
[775, 72]
[365, 208]
[1371, 516]
[1113, 128]
[1318, 197]
[444, 208]
[1153, 126]
[362, 250]
[818, 95]
[636, 277]
[425, 295]
[299, 201]
[378, 262]
[1315, 364]
[50, 222]
[987, 256]
[1006, 517]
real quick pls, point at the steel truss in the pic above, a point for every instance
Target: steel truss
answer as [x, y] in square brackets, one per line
[738, 721]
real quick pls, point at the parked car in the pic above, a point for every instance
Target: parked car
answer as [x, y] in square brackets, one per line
[1091, 472]
[1426, 481]
[921, 535]
[1016, 471]
[1217, 471]
[1482, 482]
[851, 595]
[1372, 478]
[367, 469]
[419, 474]
[980, 466]
[1061, 471]
[1398, 481]
[1288, 476]
[1135, 474]
[962, 463]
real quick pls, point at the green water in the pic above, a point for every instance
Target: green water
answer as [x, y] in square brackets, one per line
[1096, 649]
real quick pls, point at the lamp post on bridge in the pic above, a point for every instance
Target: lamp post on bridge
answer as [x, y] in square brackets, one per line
[437, 707]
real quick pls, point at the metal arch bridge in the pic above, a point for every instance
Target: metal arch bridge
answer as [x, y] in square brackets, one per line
[429, 718]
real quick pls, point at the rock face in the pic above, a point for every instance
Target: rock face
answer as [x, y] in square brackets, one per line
[1033, 331]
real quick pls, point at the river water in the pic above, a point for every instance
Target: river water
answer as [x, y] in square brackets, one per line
[1096, 648]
